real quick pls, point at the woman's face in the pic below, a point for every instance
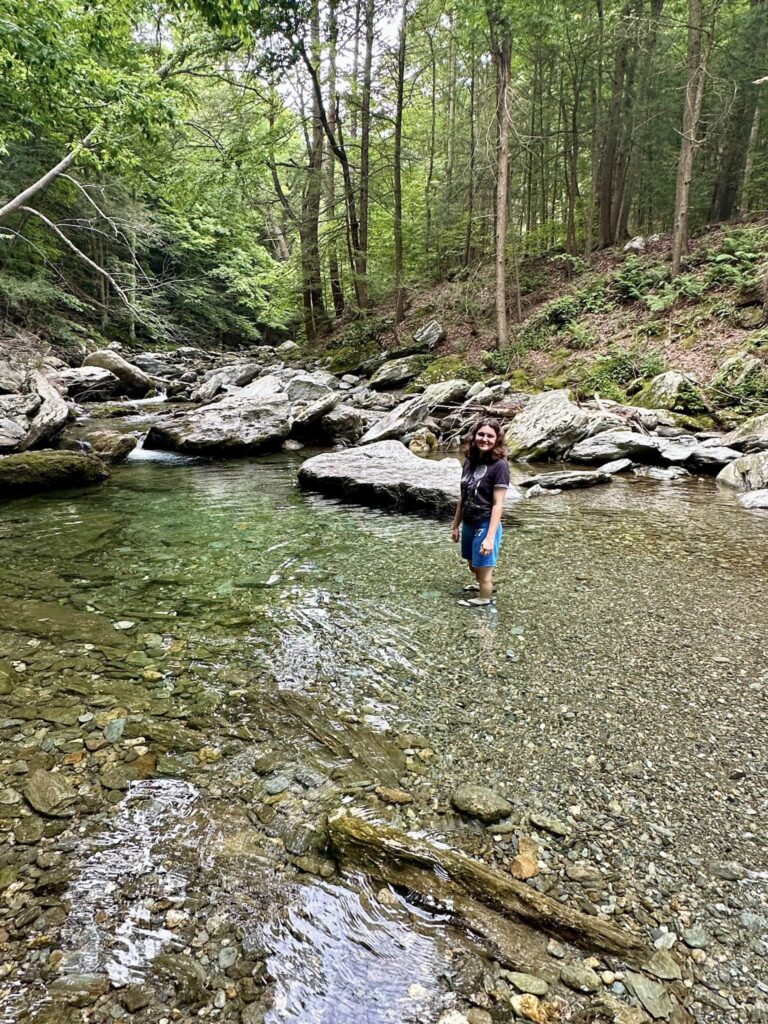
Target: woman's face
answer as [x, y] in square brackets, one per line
[485, 439]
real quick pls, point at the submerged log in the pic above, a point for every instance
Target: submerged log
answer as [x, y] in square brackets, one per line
[450, 877]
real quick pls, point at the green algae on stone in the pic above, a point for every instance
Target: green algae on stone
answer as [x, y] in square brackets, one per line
[32, 472]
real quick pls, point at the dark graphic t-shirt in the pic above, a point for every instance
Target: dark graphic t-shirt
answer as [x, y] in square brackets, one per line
[478, 482]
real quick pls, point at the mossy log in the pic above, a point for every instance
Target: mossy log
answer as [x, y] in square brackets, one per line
[450, 877]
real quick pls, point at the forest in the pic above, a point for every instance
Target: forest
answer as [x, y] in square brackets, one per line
[224, 174]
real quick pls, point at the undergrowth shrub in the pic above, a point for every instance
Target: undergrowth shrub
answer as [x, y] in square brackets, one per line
[612, 375]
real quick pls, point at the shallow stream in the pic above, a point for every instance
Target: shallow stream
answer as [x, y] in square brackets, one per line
[619, 685]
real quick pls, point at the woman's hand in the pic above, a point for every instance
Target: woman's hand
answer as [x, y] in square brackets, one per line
[486, 547]
[455, 534]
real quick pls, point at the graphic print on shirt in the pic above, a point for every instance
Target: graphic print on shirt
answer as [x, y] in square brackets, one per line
[471, 483]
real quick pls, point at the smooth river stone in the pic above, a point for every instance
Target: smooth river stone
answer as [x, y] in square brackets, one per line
[50, 793]
[481, 802]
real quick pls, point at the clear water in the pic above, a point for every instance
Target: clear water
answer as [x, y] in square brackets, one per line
[629, 628]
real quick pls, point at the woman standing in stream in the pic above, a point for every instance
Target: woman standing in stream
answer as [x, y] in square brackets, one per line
[477, 521]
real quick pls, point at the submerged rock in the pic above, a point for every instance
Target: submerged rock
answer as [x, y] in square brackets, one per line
[33, 472]
[387, 473]
[549, 425]
[481, 802]
[50, 793]
[252, 419]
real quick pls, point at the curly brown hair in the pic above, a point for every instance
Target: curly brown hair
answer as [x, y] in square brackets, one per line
[499, 449]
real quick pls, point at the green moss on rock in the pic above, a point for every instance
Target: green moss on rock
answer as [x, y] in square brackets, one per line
[449, 368]
[32, 472]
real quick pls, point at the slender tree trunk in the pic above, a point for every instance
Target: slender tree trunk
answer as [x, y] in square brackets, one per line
[337, 291]
[431, 168]
[613, 125]
[698, 55]
[744, 206]
[501, 48]
[472, 144]
[365, 152]
[399, 290]
[451, 107]
[597, 105]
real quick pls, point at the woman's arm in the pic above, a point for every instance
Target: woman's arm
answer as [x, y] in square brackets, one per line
[499, 494]
[456, 522]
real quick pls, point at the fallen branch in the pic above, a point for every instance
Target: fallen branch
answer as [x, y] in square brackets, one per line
[443, 874]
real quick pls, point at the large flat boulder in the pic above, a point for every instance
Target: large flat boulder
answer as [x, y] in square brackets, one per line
[253, 419]
[31, 416]
[748, 473]
[89, 383]
[549, 425]
[311, 387]
[236, 375]
[750, 436]
[33, 472]
[406, 416]
[615, 444]
[388, 474]
[137, 383]
[396, 372]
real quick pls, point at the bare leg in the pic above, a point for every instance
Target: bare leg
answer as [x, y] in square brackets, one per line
[484, 577]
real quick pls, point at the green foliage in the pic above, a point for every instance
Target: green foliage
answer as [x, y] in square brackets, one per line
[636, 279]
[611, 375]
[452, 367]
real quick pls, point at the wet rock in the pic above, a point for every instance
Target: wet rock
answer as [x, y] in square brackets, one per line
[481, 802]
[50, 793]
[252, 419]
[526, 982]
[663, 965]
[227, 957]
[585, 874]
[452, 1017]
[422, 442]
[135, 381]
[113, 730]
[88, 383]
[277, 784]
[677, 392]
[408, 415]
[396, 372]
[478, 1016]
[393, 796]
[33, 472]
[616, 466]
[135, 998]
[729, 871]
[695, 937]
[653, 996]
[118, 777]
[661, 473]
[110, 446]
[549, 425]
[310, 414]
[386, 473]
[754, 499]
[29, 830]
[188, 975]
[79, 989]
[748, 473]
[580, 978]
[311, 387]
[236, 375]
[567, 479]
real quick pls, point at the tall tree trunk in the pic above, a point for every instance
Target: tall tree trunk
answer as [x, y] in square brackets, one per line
[612, 129]
[315, 316]
[698, 54]
[746, 196]
[472, 143]
[334, 272]
[597, 105]
[365, 154]
[399, 290]
[432, 127]
[501, 51]
[742, 114]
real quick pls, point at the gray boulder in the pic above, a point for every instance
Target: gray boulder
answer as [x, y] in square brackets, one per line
[253, 419]
[747, 473]
[549, 425]
[396, 372]
[615, 444]
[661, 473]
[33, 472]
[750, 436]
[136, 381]
[310, 387]
[236, 375]
[388, 474]
[742, 378]
[429, 336]
[713, 456]
[754, 499]
[306, 415]
[678, 449]
[32, 416]
[567, 480]
[617, 466]
[408, 415]
[344, 423]
[89, 383]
